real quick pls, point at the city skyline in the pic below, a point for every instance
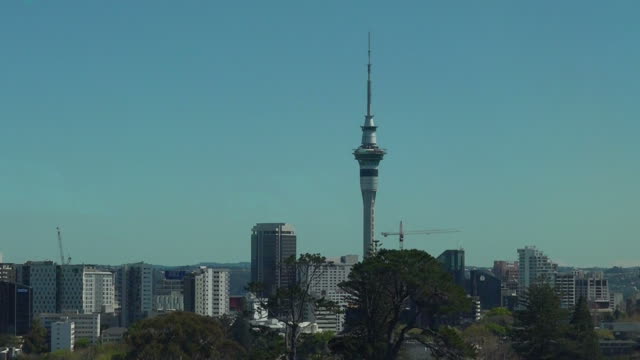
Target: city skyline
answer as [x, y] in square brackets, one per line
[516, 130]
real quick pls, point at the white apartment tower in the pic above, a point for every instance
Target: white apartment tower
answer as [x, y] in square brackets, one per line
[534, 268]
[211, 292]
[99, 292]
[325, 284]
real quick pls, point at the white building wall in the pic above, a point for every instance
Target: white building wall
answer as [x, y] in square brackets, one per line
[62, 335]
[99, 292]
[86, 326]
[534, 268]
[212, 292]
[326, 285]
[170, 302]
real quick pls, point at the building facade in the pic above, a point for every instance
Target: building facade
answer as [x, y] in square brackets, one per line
[7, 272]
[208, 292]
[15, 308]
[271, 245]
[134, 292]
[565, 286]
[453, 263]
[534, 268]
[595, 289]
[62, 335]
[86, 326]
[99, 292]
[42, 277]
[168, 290]
[486, 287]
[324, 284]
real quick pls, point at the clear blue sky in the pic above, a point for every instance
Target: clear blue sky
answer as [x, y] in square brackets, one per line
[162, 130]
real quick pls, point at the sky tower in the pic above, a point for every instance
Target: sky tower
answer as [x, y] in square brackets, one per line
[368, 156]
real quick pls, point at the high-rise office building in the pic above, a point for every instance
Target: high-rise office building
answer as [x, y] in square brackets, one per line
[7, 272]
[85, 289]
[484, 286]
[207, 292]
[271, 245]
[15, 308]
[595, 289]
[134, 292]
[369, 155]
[565, 287]
[453, 263]
[71, 287]
[42, 277]
[99, 292]
[168, 290]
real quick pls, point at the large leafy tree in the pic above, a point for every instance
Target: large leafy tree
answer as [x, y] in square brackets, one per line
[489, 335]
[35, 342]
[181, 335]
[540, 328]
[396, 295]
[584, 338]
[291, 303]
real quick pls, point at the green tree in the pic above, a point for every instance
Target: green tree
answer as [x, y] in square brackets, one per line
[266, 344]
[181, 335]
[540, 329]
[291, 303]
[9, 340]
[584, 338]
[82, 343]
[396, 295]
[315, 346]
[489, 335]
[35, 342]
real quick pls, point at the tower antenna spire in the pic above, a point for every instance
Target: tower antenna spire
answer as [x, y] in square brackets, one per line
[369, 78]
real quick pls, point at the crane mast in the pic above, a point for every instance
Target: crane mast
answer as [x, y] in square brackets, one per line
[60, 246]
[401, 234]
[62, 262]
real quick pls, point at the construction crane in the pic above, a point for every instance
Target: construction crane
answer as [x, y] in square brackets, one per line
[62, 262]
[402, 233]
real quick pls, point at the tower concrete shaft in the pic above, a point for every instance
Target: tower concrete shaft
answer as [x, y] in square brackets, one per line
[368, 155]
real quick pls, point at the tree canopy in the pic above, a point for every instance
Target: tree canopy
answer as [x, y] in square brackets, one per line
[180, 335]
[395, 295]
[291, 303]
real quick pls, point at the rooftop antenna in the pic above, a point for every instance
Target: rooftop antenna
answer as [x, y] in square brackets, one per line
[369, 78]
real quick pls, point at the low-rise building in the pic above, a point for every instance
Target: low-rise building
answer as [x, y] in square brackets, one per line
[87, 326]
[114, 335]
[62, 335]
